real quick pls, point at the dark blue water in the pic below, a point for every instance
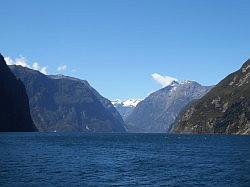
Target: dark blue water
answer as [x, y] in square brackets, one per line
[75, 159]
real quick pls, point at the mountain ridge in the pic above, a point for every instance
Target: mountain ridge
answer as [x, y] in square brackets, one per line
[62, 103]
[157, 112]
[224, 110]
[14, 105]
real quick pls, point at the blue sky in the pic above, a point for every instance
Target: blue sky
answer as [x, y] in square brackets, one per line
[118, 44]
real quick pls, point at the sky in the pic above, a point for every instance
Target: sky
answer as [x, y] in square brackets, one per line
[128, 48]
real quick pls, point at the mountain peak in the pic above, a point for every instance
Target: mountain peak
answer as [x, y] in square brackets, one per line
[223, 110]
[116, 101]
[126, 103]
[125, 107]
[186, 82]
[174, 83]
[131, 102]
[158, 111]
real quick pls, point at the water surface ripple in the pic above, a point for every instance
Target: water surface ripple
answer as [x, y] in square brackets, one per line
[76, 159]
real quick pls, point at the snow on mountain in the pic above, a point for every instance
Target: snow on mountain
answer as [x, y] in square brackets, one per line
[187, 82]
[116, 102]
[125, 107]
[131, 102]
[157, 112]
[127, 103]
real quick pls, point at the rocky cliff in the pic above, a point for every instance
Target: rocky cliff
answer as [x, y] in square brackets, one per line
[224, 110]
[158, 111]
[61, 103]
[14, 103]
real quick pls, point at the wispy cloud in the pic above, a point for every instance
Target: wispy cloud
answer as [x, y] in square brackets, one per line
[163, 80]
[22, 61]
[37, 67]
[62, 68]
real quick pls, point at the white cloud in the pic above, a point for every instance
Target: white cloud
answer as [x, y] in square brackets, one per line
[44, 70]
[9, 61]
[22, 61]
[37, 67]
[163, 80]
[62, 67]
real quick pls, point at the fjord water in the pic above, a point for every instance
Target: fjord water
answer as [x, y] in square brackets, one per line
[76, 159]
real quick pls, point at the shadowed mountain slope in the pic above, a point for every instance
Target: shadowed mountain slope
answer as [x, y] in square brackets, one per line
[61, 103]
[14, 103]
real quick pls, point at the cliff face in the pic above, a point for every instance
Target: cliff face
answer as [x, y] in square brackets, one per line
[224, 110]
[14, 103]
[157, 112]
[60, 103]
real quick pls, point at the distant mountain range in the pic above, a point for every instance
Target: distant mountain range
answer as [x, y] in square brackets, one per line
[158, 111]
[32, 101]
[14, 103]
[125, 107]
[61, 103]
[224, 110]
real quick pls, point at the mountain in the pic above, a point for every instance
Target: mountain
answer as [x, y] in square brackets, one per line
[14, 103]
[61, 103]
[125, 107]
[158, 111]
[224, 110]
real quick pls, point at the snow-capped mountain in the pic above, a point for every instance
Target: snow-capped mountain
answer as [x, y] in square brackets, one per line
[126, 103]
[125, 107]
[158, 111]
